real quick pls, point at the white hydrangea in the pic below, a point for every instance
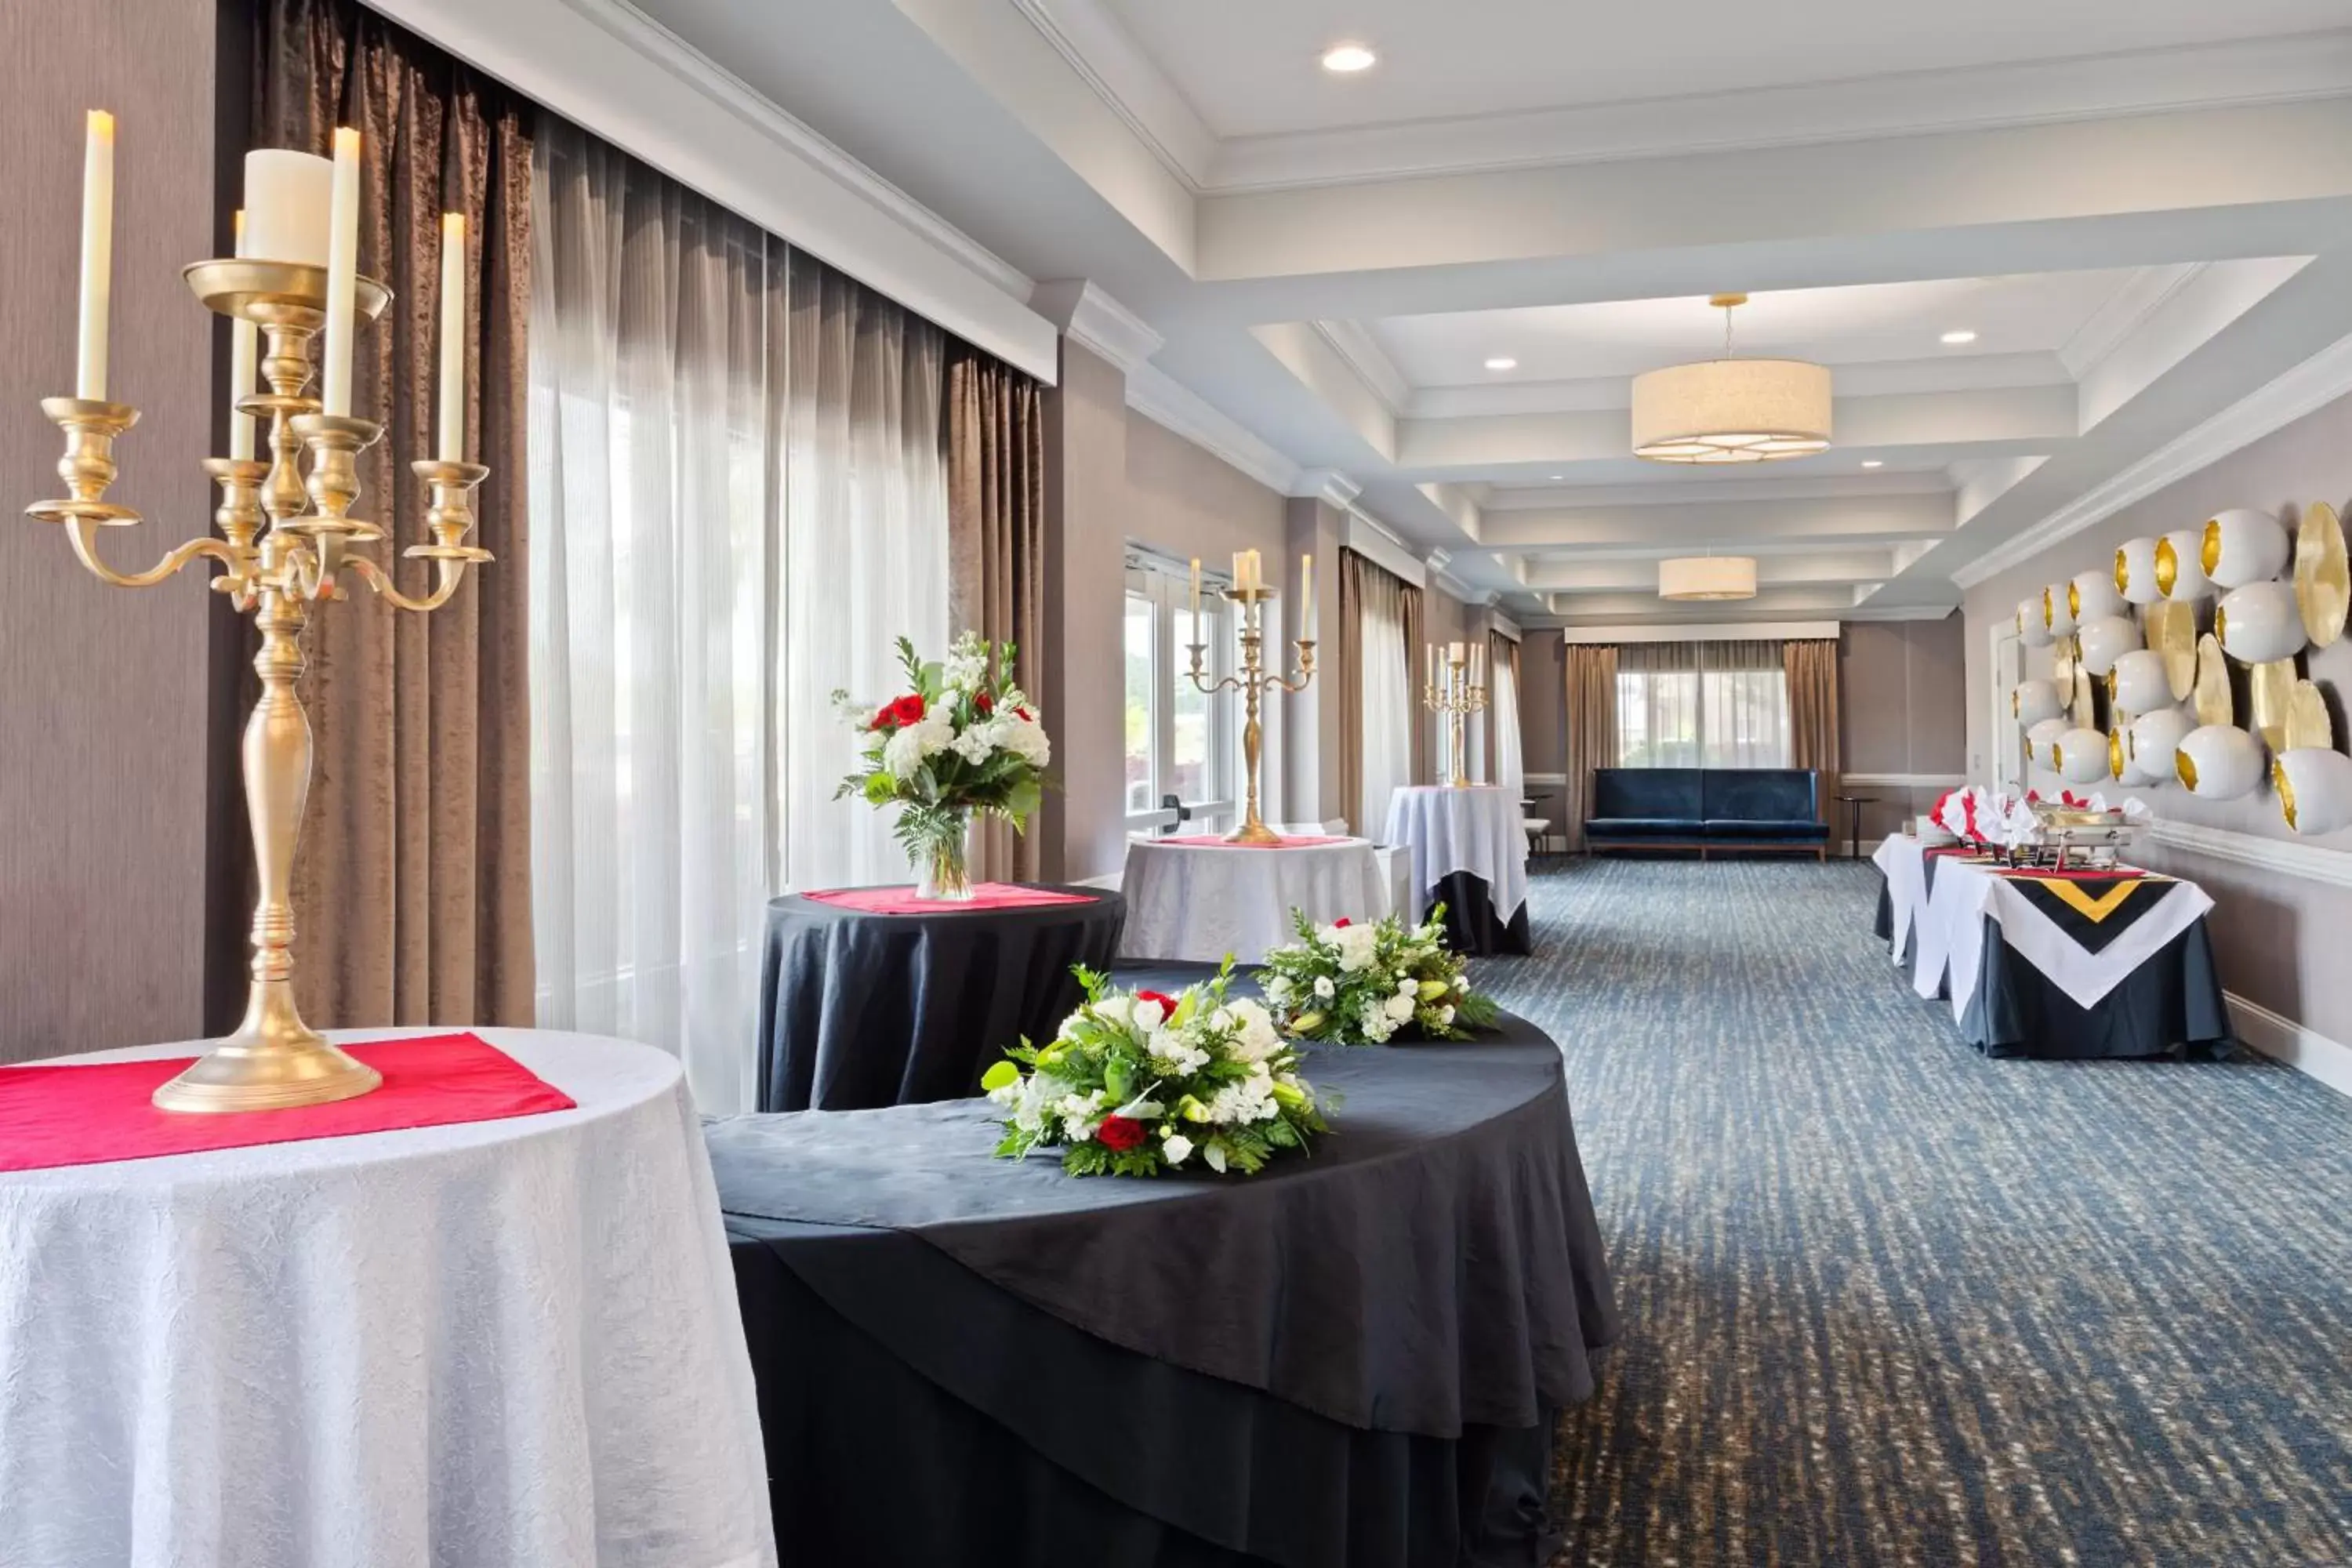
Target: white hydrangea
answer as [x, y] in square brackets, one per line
[1025, 738]
[966, 666]
[1031, 1099]
[1376, 1023]
[1256, 1039]
[974, 746]
[1080, 1113]
[1169, 1047]
[905, 752]
[1355, 943]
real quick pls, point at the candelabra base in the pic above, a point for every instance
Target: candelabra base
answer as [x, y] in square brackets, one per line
[273, 1063]
[1253, 832]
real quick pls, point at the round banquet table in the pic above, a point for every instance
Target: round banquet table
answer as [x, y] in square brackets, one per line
[1200, 899]
[502, 1344]
[859, 1010]
[1352, 1360]
[1469, 852]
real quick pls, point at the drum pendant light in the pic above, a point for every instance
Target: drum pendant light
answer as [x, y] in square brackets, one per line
[1707, 577]
[1731, 410]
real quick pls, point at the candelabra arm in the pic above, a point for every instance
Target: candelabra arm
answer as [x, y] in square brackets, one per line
[83, 531]
[450, 574]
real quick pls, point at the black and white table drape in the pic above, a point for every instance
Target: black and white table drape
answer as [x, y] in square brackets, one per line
[1469, 852]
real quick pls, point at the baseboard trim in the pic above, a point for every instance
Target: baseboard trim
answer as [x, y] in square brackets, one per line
[2282, 1039]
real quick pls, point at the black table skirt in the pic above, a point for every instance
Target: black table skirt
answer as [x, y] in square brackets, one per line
[859, 1010]
[1473, 924]
[941, 1385]
[2171, 1004]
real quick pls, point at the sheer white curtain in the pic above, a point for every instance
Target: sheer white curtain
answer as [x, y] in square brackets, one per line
[693, 464]
[1392, 706]
[1746, 692]
[1658, 705]
[1718, 704]
[1503, 703]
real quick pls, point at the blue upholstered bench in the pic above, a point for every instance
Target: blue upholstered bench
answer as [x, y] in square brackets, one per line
[1706, 809]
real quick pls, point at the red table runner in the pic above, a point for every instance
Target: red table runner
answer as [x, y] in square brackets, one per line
[89, 1114]
[1214, 841]
[901, 901]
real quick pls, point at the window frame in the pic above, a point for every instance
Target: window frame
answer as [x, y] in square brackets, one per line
[1165, 585]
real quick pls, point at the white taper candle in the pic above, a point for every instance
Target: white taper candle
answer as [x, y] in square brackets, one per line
[453, 338]
[244, 353]
[97, 253]
[1306, 598]
[342, 271]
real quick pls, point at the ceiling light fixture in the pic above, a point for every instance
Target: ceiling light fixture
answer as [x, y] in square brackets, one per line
[1959, 335]
[1731, 410]
[1501, 362]
[1707, 577]
[1873, 463]
[1346, 60]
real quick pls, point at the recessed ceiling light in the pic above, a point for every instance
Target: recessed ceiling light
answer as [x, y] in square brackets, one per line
[1557, 476]
[1960, 336]
[1501, 362]
[1872, 463]
[1348, 59]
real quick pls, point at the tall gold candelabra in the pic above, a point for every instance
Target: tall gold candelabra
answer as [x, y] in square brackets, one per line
[1251, 683]
[1454, 695]
[303, 555]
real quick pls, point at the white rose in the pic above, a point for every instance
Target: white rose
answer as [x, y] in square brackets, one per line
[1408, 986]
[1446, 1017]
[1114, 1009]
[1148, 1013]
[1174, 1147]
[1324, 988]
[1462, 985]
[1400, 1008]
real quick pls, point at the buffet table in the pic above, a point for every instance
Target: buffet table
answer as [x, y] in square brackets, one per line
[2056, 965]
[506, 1343]
[868, 999]
[1469, 852]
[1200, 898]
[1350, 1358]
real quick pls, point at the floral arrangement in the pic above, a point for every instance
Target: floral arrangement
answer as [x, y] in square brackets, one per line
[1355, 984]
[1141, 1083]
[962, 740]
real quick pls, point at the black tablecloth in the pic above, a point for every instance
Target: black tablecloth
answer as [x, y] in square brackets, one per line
[1351, 1359]
[1473, 924]
[860, 1010]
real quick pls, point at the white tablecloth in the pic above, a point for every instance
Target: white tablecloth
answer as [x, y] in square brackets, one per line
[505, 1345]
[1477, 829]
[1949, 920]
[1203, 902]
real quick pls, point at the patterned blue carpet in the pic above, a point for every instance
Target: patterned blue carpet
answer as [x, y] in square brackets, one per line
[1889, 1303]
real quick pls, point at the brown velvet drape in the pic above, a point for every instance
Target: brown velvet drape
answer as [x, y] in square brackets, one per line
[1592, 727]
[1416, 639]
[1812, 670]
[996, 542]
[1350, 677]
[413, 889]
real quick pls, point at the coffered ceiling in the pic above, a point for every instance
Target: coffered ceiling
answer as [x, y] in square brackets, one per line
[2148, 229]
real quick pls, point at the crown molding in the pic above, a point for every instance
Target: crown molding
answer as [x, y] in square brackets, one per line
[1371, 539]
[1096, 322]
[1973, 98]
[2316, 382]
[1362, 353]
[1728, 631]
[1112, 63]
[2123, 314]
[1327, 485]
[1166, 403]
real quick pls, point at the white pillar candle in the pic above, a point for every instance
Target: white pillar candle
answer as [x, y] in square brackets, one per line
[453, 338]
[243, 353]
[289, 206]
[342, 271]
[1306, 598]
[97, 253]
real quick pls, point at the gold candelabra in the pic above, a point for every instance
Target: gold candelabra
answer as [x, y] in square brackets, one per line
[303, 554]
[1251, 683]
[1454, 694]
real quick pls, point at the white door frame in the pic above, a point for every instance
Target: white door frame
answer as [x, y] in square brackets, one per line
[2005, 744]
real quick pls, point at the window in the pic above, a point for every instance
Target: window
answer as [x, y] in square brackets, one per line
[1181, 741]
[1703, 704]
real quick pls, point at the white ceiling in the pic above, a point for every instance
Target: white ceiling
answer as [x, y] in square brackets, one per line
[1859, 324]
[1250, 68]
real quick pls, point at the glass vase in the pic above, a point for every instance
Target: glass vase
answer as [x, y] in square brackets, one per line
[942, 859]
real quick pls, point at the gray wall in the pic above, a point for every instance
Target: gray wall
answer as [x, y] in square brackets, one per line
[1902, 700]
[103, 690]
[2279, 937]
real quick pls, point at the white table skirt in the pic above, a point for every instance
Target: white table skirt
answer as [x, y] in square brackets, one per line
[1477, 829]
[1203, 902]
[1949, 920]
[504, 1344]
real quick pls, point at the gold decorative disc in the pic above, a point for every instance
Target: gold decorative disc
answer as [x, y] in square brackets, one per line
[2307, 724]
[2213, 706]
[2323, 589]
[2172, 632]
[2270, 689]
[2085, 706]
[2062, 664]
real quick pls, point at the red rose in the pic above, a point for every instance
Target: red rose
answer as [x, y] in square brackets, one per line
[984, 703]
[1120, 1134]
[1342, 923]
[888, 718]
[1027, 717]
[1167, 1003]
[907, 710]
